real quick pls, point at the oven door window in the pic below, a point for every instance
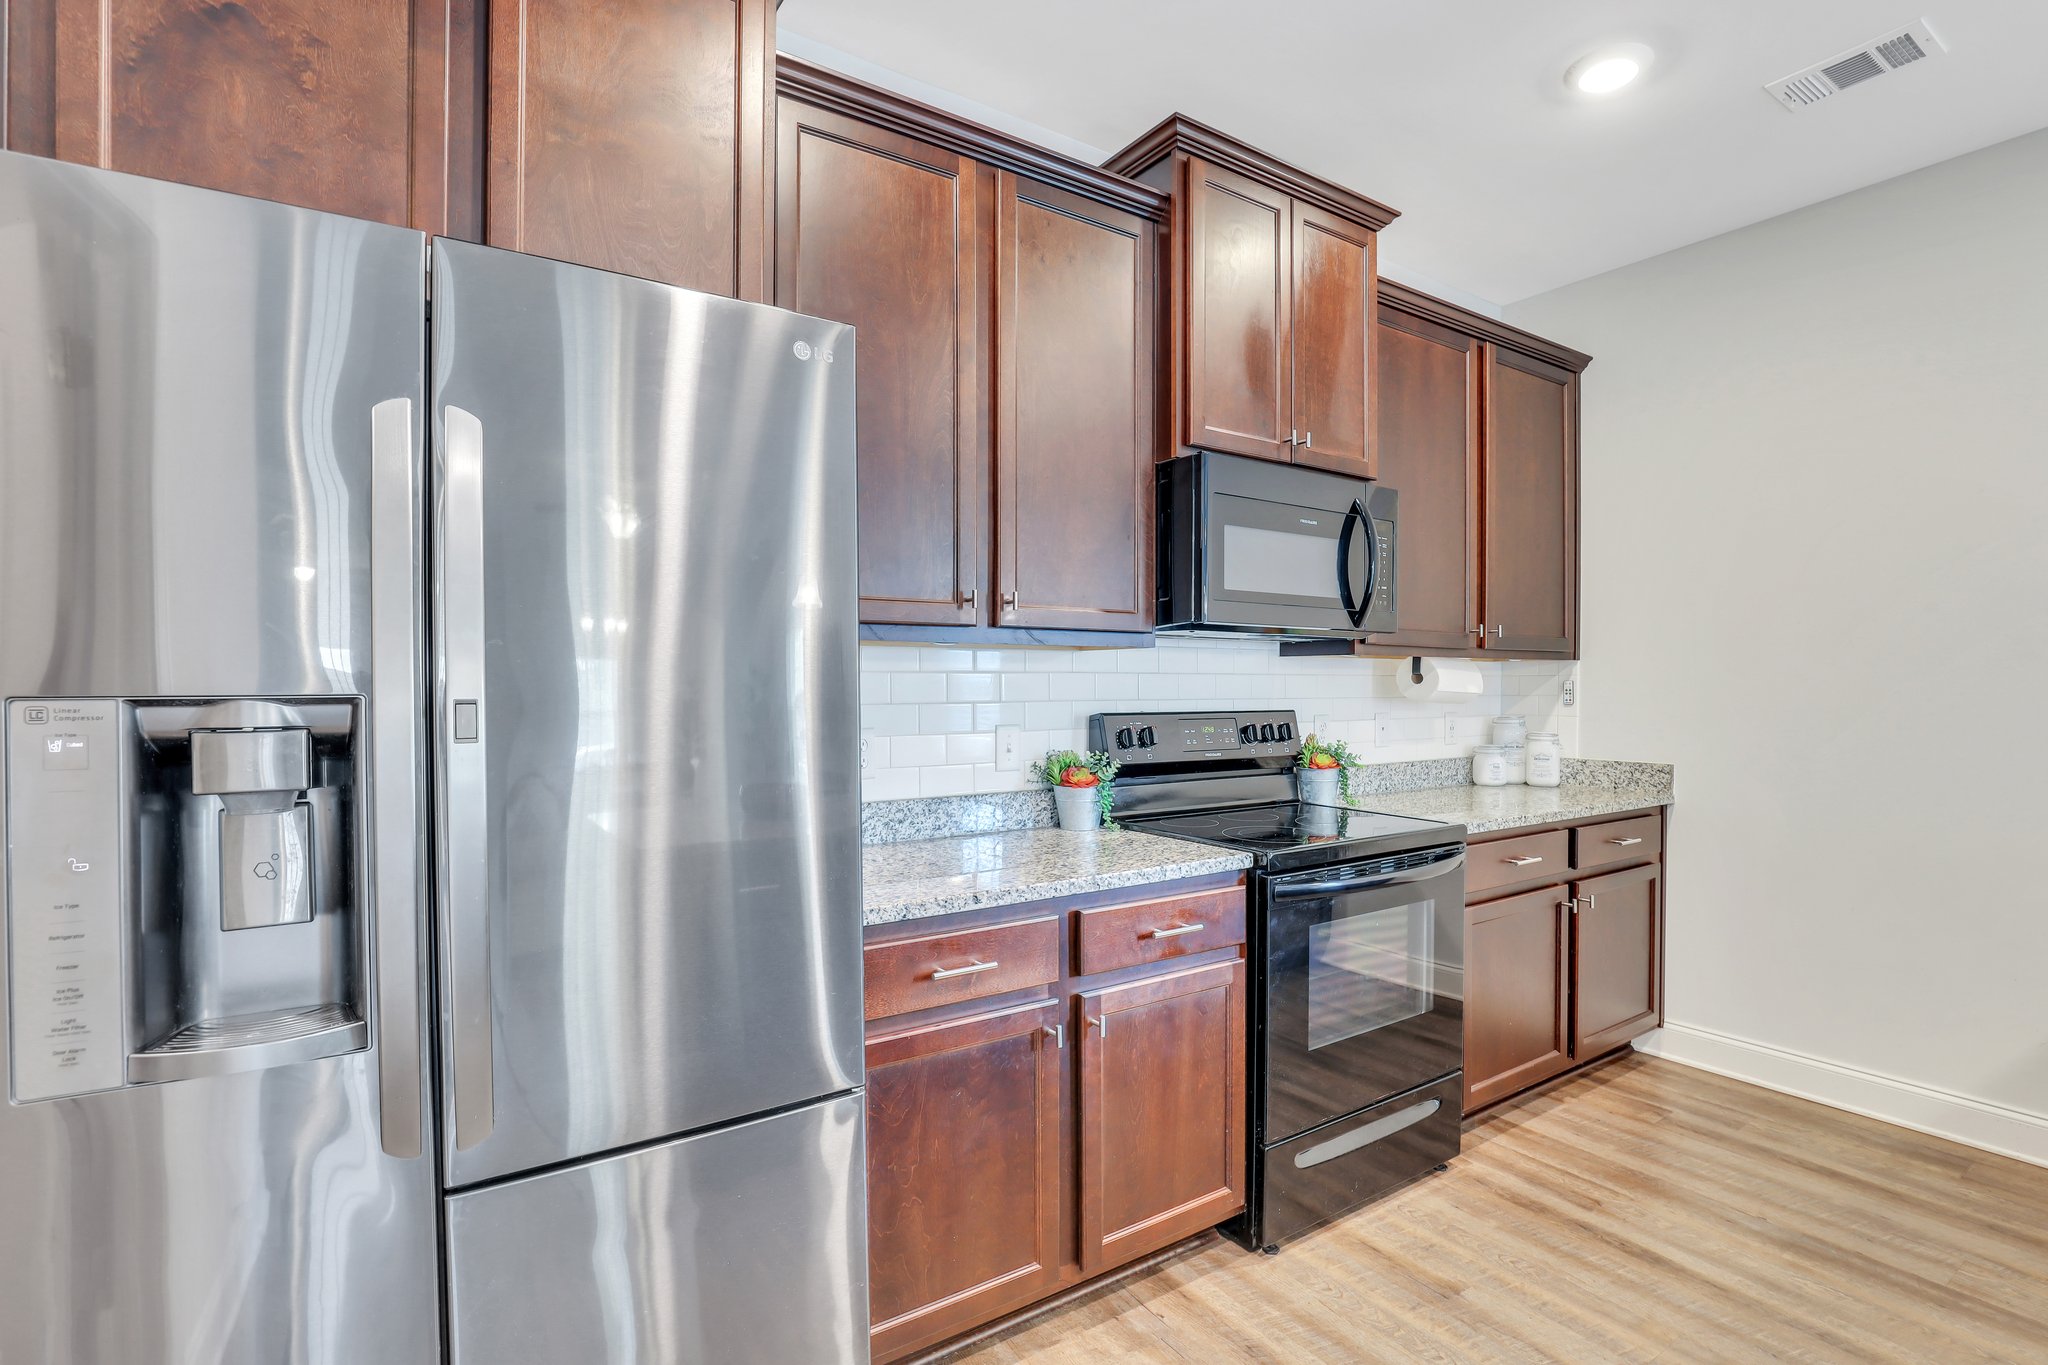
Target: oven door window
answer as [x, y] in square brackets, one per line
[1370, 972]
[1364, 992]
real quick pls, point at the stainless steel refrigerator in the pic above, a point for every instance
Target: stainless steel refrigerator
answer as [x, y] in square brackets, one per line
[431, 808]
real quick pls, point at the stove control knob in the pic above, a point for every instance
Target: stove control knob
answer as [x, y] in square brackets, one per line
[1249, 734]
[1266, 735]
[1146, 739]
[1123, 738]
[1286, 732]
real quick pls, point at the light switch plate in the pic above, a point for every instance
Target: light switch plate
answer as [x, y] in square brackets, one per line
[1009, 748]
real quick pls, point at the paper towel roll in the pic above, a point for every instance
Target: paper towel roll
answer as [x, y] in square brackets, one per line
[1448, 680]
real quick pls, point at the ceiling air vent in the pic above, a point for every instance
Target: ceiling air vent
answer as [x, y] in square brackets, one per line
[1879, 57]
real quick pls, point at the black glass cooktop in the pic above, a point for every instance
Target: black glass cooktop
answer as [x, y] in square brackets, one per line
[1285, 826]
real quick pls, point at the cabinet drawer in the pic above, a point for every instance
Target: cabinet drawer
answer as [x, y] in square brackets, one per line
[1512, 862]
[1118, 936]
[1618, 841]
[942, 969]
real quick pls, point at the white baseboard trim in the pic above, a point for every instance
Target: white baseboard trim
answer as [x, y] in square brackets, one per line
[1973, 1122]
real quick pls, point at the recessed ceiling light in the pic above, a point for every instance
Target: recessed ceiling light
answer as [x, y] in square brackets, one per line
[1608, 69]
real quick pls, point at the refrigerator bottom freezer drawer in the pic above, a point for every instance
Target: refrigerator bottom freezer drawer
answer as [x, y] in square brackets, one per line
[746, 1243]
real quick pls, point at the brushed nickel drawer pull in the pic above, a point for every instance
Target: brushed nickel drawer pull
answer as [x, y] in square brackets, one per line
[1592, 902]
[1571, 905]
[1175, 931]
[1625, 843]
[942, 973]
[1525, 862]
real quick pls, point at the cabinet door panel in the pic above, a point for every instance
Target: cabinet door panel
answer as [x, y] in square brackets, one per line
[1074, 359]
[1515, 979]
[1162, 1111]
[1331, 334]
[885, 233]
[1532, 505]
[620, 134]
[1428, 451]
[1239, 302]
[1614, 960]
[964, 1173]
[300, 101]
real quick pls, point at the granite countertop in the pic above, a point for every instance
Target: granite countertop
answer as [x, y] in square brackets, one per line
[915, 879]
[1591, 789]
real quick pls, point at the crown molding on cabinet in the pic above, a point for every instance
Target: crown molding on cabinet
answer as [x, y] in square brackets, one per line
[1179, 133]
[1414, 301]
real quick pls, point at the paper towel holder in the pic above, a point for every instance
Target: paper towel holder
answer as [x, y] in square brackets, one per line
[1415, 669]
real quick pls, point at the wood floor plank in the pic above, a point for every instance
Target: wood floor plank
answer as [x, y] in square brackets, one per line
[1641, 1212]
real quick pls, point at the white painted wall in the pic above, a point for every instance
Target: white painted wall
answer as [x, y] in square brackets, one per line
[1816, 578]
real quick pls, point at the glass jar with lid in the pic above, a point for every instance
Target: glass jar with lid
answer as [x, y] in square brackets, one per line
[1489, 766]
[1511, 733]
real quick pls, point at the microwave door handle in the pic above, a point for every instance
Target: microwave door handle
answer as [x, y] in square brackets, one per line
[1283, 890]
[1354, 604]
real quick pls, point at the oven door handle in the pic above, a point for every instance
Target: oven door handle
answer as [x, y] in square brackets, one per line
[1355, 605]
[1284, 889]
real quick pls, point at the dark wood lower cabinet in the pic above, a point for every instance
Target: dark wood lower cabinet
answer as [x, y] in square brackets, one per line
[964, 1172]
[1560, 972]
[1615, 950]
[1161, 1111]
[1516, 1017]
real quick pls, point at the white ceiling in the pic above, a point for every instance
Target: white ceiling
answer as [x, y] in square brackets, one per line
[1457, 113]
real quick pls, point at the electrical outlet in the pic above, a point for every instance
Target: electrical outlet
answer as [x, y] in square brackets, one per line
[1009, 748]
[1321, 724]
[867, 739]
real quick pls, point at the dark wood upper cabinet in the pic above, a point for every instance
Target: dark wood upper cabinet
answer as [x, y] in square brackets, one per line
[1429, 420]
[1531, 518]
[1272, 276]
[1162, 1110]
[341, 107]
[1074, 409]
[890, 234]
[632, 136]
[1239, 299]
[1334, 266]
[1615, 959]
[1005, 315]
[965, 1172]
[1517, 1025]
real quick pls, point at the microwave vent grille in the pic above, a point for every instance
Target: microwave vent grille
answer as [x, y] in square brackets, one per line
[1878, 57]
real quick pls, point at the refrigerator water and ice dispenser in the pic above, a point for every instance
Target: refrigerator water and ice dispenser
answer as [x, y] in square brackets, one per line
[184, 889]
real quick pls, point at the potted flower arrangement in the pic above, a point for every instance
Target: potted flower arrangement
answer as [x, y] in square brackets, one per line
[1080, 785]
[1325, 770]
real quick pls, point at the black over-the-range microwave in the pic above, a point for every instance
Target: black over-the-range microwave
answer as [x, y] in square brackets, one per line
[1271, 549]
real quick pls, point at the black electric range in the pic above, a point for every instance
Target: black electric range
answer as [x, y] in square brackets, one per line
[1355, 925]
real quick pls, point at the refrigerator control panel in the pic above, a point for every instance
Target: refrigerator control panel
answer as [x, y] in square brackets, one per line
[65, 926]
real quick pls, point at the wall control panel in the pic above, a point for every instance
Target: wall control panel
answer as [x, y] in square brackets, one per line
[65, 925]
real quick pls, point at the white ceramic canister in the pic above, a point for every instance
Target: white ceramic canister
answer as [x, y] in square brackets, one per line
[1489, 766]
[1546, 759]
[1511, 733]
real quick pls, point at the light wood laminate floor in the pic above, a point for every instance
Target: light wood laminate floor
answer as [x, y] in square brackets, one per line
[1643, 1212]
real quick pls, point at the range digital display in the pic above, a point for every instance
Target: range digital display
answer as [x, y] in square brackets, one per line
[1210, 732]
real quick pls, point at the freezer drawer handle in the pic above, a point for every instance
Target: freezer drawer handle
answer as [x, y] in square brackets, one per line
[1175, 931]
[464, 789]
[944, 973]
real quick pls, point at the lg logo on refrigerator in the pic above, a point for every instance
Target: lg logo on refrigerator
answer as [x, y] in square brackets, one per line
[803, 352]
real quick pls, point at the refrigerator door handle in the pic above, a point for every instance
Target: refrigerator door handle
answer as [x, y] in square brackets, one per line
[395, 869]
[464, 723]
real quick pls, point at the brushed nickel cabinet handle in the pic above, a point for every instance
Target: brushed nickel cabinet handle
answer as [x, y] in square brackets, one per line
[1499, 632]
[970, 597]
[1625, 843]
[1058, 1033]
[1592, 902]
[1571, 905]
[1528, 861]
[1175, 931]
[1101, 1022]
[1009, 601]
[1308, 440]
[943, 973]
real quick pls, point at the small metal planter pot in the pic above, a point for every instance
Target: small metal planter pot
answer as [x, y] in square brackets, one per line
[1080, 807]
[1318, 786]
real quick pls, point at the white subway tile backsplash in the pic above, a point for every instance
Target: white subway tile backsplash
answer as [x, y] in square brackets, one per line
[933, 710]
